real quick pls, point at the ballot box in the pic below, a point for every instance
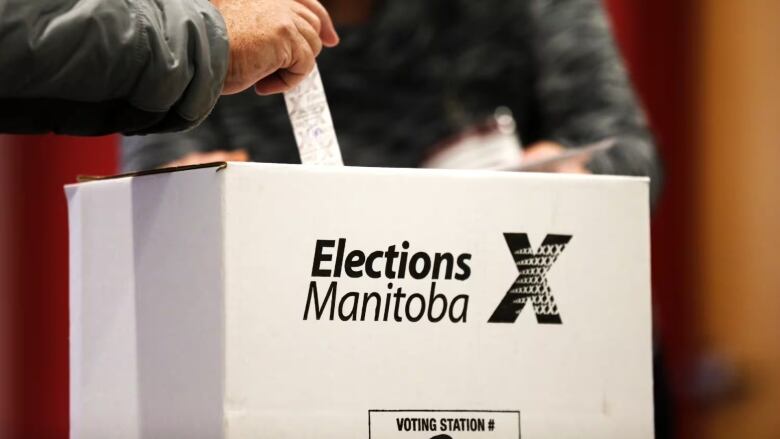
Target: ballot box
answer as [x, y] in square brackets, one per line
[274, 301]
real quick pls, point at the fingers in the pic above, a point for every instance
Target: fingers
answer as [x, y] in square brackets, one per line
[285, 79]
[542, 150]
[270, 85]
[279, 55]
[310, 34]
[309, 16]
[239, 155]
[280, 82]
[197, 158]
[327, 30]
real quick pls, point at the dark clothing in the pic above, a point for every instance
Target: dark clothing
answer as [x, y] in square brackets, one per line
[422, 71]
[96, 67]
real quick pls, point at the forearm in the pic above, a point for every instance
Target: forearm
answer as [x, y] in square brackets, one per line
[157, 65]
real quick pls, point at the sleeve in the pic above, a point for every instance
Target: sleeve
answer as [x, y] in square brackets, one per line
[91, 67]
[232, 125]
[138, 153]
[584, 91]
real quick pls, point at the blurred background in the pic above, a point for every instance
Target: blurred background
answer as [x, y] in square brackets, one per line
[707, 72]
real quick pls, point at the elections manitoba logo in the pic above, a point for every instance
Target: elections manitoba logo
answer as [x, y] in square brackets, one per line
[398, 264]
[531, 283]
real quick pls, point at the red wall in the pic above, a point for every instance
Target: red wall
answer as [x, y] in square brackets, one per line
[658, 41]
[38, 287]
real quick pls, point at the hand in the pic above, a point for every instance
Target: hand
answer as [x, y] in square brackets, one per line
[273, 43]
[546, 150]
[198, 158]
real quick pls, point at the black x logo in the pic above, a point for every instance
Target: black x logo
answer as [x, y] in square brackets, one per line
[531, 282]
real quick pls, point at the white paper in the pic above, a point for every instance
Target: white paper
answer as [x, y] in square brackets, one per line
[583, 153]
[312, 123]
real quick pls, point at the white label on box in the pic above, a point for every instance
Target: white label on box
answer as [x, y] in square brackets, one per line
[443, 424]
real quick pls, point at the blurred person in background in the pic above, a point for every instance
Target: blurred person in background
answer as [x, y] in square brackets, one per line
[410, 74]
[142, 66]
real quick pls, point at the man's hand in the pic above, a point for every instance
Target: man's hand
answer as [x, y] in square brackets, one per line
[273, 43]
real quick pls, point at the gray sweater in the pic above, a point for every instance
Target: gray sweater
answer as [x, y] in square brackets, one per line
[420, 72]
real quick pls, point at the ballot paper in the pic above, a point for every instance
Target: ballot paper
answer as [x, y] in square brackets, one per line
[490, 144]
[580, 154]
[495, 145]
[312, 124]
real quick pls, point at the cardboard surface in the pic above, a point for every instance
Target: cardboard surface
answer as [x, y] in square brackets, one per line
[202, 304]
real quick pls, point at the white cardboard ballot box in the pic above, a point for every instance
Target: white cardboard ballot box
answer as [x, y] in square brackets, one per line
[285, 301]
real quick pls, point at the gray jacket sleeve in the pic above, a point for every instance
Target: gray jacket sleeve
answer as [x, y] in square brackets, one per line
[584, 89]
[92, 67]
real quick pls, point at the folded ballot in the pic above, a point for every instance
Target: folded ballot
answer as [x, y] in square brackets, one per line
[288, 301]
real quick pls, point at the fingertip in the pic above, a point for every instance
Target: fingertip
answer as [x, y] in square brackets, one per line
[260, 91]
[330, 38]
[328, 33]
[331, 42]
[239, 155]
[269, 86]
[229, 89]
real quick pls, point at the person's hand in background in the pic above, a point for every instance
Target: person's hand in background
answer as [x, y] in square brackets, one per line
[273, 43]
[544, 150]
[197, 158]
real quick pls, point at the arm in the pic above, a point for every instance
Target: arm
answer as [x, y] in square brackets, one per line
[141, 66]
[240, 126]
[584, 92]
[161, 150]
[135, 66]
